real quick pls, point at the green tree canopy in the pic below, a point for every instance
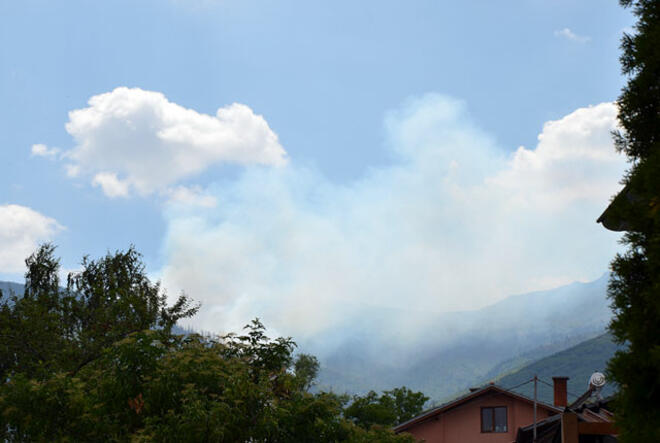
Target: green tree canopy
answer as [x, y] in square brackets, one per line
[52, 329]
[388, 409]
[635, 283]
[97, 361]
[306, 367]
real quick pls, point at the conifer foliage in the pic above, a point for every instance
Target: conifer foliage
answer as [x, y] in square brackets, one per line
[635, 283]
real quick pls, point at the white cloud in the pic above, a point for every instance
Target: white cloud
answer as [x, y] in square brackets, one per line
[111, 185]
[455, 223]
[72, 170]
[131, 140]
[570, 35]
[573, 161]
[21, 231]
[191, 196]
[41, 150]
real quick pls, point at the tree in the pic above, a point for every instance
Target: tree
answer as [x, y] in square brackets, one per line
[407, 404]
[32, 336]
[389, 409]
[634, 286]
[98, 361]
[306, 367]
[50, 328]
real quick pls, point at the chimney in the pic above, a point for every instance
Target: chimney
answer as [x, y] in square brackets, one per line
[561, 394]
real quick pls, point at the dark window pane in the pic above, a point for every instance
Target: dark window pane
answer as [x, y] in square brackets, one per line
[500, 419]
[487, 420]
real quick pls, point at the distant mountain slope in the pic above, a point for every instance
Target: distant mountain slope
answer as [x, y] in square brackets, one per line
[7, 287]
[458, 349]
[577, 362]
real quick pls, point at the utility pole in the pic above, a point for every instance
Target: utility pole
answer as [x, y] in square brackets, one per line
[535, 380]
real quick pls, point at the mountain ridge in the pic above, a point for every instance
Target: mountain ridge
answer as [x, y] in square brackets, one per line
[577, 362]
[462, 348]
[455, 350]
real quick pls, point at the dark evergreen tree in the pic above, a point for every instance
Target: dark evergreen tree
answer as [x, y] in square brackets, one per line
[635, 283]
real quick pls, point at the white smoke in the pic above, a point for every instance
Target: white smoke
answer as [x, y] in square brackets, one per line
[456, 222]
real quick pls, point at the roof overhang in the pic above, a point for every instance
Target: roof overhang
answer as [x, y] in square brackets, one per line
[490, 389]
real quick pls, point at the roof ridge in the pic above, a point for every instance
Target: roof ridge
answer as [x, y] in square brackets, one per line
[467, 397]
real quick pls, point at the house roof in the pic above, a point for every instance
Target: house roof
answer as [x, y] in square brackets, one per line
[616, 216]
[633, 207]
[489, 389]
[549, 429]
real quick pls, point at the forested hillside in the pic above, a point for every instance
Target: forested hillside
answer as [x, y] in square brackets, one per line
[460, 349]
[577, 362]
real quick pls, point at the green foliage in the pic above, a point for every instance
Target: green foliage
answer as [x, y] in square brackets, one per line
[97, 361]
[306, 367]
[389, 409]
[52, 329]
[635, 284]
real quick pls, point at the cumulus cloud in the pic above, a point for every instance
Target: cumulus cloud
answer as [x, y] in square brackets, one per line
[41, 150]
[573, 161]
[111, 185]
[570, 35]
[454, 223]
[21, 231]
[191, 196]
[137, 141]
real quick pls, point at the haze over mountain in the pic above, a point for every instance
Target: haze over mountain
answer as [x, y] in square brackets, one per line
[450, 352]
[7, 287]
[456, 350]
[577, 363]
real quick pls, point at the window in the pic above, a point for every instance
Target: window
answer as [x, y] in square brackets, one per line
[493, 419]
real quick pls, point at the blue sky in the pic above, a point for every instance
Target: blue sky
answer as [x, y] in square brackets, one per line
[371, 104]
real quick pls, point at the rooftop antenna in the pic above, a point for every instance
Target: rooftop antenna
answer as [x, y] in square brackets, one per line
[596, 383]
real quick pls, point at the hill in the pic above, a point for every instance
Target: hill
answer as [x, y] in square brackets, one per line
[7, 287]
[456, 350]
[577, 362]
[451, 352]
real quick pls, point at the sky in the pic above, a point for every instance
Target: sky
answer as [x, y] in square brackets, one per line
[296, 160]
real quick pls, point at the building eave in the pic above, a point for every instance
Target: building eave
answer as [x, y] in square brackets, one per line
[466, 398]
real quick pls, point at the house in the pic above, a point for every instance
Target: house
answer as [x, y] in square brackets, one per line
[489, 414]
[586, 420]
[632, 208]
